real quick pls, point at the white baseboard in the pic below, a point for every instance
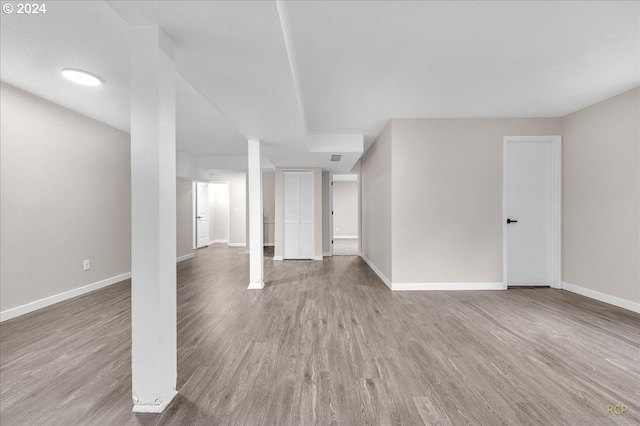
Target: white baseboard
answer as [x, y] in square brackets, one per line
[326, 254]
[348, 237]
[447, 286]
[155, 408]
[56, 298]
[317, 257]
[256, 285]
[373, 267]
[237, 244]
[278, 258]
[218, 241]
[185, 257]
[602, 297]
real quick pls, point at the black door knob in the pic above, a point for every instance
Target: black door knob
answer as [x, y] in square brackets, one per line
[511, 221]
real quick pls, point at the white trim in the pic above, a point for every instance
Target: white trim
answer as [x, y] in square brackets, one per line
[327, 254]
[155, 408]
[602, 297]
[318, 257]
[60, 297]
[447, 286]
[237, 244]
[556, 205]
[185, 257]
[350, 237]
[257, 285]
[279, 258]
[373, 267]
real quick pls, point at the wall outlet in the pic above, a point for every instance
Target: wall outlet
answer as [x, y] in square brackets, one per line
[86, 265]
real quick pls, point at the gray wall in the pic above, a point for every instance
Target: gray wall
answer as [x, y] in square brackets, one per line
[65, 197]
[601, 197]
[184, 217]
[345, 209]
[447, 196]
[376, 202]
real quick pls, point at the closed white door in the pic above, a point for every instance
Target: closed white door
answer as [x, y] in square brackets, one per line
[528, 212]
[298, 215]
[202, 214]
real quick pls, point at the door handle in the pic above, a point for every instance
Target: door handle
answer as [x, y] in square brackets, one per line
[198, 217]
[511, 221]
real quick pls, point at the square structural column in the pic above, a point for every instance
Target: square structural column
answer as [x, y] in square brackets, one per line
[153, 220]
[256, 246]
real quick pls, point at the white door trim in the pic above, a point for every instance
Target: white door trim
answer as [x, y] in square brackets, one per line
[556, 204]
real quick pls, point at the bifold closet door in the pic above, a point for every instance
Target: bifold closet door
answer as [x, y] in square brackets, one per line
[298, 215]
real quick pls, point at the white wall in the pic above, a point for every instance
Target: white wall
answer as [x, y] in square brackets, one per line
[345, 209]
[601, 197]
[326, 213]
[376, 202]
[237, 205]
[184, 217]
[65, 197]
[219, 212]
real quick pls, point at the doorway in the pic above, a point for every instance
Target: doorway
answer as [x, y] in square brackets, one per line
[531, 211]
[218, 212]
[345, 218]
[202, 214]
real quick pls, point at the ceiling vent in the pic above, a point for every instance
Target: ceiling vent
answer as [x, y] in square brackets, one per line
[336, 157]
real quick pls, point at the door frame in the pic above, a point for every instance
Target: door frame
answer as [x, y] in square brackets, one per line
[331, 228]
[228, 183]
[555, 252]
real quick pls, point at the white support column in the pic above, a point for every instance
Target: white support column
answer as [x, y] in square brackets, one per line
[256, 248]
[153, 221]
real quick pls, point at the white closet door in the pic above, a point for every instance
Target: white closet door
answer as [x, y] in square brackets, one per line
[291, 216]
[306, 214]
[298, 215]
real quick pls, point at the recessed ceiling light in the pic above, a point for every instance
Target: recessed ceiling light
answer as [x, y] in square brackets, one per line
[81, 77]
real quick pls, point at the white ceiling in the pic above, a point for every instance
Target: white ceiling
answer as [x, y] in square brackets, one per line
[282, 71]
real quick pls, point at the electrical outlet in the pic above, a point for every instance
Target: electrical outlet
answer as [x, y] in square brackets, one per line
[86, 265]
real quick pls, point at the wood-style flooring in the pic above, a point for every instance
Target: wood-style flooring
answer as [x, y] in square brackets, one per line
[326, 342]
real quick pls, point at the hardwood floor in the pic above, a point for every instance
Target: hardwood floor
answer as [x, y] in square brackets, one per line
[328, 343]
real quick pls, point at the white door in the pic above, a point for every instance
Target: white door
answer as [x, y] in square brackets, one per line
[202, 214]
[298, 215]
[528, 210]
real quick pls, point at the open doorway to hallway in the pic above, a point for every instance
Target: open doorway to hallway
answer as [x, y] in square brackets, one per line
[345, 220]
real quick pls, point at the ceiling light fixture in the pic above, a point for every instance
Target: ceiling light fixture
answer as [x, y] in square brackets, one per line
[81, 77]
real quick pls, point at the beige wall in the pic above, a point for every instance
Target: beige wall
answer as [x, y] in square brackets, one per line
[447, 196]
[376, 202]
[65, 197]
[184, 217]
[601, 197]
[345, 209]
[317, 208]
[237, 205]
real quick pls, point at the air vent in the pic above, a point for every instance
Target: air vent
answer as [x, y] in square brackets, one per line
[336, 157]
